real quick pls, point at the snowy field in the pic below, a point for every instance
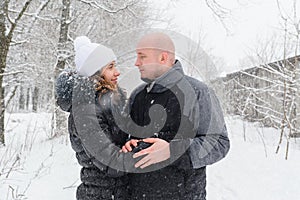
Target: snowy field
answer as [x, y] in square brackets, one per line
[36, 168]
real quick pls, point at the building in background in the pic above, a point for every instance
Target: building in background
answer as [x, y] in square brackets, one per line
[268, 93]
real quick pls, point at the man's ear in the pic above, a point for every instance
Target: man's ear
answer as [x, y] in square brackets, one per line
[164, 57]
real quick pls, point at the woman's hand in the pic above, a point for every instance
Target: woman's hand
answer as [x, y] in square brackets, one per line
[128, 145]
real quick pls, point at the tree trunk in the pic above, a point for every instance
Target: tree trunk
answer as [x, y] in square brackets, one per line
[27, 98]
[21, 99]
[35, 98]
[4, 46]
[60, 117]
[63, 37]
[2, 106]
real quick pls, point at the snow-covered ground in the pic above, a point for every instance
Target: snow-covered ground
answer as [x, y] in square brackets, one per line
[252, 169]
[34, 167]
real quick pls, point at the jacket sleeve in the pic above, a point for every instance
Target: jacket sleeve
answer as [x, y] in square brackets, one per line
[64, 90]
[211, 142]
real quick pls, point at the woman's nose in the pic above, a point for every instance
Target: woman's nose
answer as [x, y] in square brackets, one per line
[117, 73]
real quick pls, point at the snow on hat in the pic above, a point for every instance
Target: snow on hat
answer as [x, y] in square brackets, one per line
[91, 57]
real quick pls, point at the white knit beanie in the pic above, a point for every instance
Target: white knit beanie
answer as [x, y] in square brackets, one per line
[91, 57]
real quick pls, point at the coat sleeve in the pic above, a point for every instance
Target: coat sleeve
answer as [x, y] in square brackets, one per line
[64, 90]
[211, 142]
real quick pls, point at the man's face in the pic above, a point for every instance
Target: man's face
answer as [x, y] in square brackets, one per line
[148, 62]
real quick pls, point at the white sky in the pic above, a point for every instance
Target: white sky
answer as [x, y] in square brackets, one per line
[249, 21]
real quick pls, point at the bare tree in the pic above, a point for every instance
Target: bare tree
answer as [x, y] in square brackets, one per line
[63, 55]
[289, 119]
[7, 28]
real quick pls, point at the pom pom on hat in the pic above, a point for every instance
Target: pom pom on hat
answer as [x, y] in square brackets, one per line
[91, 57]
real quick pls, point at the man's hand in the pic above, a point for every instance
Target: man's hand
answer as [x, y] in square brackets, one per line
[159, 151]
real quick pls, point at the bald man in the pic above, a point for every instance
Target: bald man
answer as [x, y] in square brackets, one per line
[185, 134]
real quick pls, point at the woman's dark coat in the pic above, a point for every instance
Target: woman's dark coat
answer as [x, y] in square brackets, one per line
[98, 180]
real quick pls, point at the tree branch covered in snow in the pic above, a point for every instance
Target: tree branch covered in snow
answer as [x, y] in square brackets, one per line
[97, 5]
[17, 19]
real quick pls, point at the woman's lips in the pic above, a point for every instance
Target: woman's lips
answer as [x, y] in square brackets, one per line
[114, 80]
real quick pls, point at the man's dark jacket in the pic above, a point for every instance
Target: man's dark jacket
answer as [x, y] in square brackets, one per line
[190, 118]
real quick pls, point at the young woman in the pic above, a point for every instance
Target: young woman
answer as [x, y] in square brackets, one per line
[95, 65]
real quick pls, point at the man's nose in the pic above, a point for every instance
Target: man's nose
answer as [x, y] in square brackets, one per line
[137, 62]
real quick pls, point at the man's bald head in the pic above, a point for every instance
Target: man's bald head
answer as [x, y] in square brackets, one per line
[160, 42]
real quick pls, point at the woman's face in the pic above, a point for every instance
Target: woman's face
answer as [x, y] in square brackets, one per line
[110, 73]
